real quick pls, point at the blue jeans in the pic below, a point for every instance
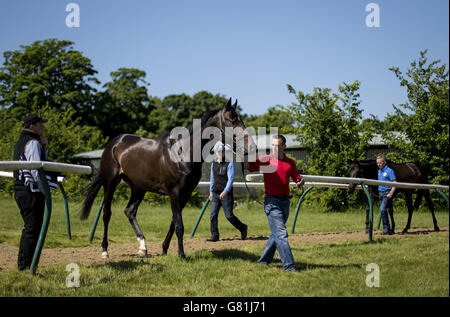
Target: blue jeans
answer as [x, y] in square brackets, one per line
[277, 211]
[385, 205]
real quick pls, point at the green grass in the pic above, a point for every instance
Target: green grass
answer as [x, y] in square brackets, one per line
[154, 222]
[410, 266]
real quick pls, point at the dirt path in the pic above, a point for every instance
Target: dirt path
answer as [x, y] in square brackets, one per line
[123, 252]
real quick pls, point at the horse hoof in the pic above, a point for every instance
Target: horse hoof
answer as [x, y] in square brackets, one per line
[142, 253]
[105, 255]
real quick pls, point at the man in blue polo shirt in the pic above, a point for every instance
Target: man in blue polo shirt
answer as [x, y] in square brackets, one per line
[386, 193]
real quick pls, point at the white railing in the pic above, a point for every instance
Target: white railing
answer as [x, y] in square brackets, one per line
[11, 175]
[260, 185]
[48, 166]
[352, 180]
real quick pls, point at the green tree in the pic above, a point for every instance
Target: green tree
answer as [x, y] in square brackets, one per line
[180, 110]
[328, 127]
[123, 106]
[423, 120]
[372, 124]
[49, 72]
[274, 117]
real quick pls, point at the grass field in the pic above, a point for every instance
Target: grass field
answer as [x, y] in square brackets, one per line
[416, 265]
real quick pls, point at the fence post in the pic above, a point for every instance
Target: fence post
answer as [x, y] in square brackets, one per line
[66, 207]
[200, 217]
[370, 211]
[298, 207]
[443, 195]
[45, 223]
[94, 226]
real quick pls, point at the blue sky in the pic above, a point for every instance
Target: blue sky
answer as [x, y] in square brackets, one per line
[244, 49]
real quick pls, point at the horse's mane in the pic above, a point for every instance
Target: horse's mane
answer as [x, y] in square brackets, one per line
[204, 119]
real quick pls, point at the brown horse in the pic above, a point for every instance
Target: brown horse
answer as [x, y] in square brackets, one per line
[152, 165]
[404, 172]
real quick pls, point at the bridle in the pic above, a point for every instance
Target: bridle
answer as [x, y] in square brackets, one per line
[221, 119]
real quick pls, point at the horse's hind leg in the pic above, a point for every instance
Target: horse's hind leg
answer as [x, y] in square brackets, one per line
[109, 189]
[431, 207]
[367, 219]
[391, 215]
[136, 198]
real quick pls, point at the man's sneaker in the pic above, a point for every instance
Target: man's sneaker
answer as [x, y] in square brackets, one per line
[291, 269]
[213, 239]
[387, 232]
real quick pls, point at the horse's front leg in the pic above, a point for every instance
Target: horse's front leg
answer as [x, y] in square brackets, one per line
[179, 230]
[177, 203]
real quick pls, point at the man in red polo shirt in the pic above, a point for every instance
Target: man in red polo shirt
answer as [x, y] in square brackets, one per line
[277, 169]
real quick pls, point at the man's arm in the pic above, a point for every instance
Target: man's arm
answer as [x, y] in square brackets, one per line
[211, 180]
[295, 175]
[230, 174]
[392, 191]
[32, 152]
[393, 179]
[260, 161]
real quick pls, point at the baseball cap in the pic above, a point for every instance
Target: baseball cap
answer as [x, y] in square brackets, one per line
[220, 147]
[32, 118]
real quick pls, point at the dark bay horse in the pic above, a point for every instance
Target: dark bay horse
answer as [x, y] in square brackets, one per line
[404, 172]
[149, 165]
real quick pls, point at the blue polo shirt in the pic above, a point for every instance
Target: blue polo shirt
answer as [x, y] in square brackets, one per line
[386, 174]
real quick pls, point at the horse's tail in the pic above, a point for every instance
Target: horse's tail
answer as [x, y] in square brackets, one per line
[94, 188]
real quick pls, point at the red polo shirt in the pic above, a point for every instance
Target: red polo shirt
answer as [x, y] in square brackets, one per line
[276, 183]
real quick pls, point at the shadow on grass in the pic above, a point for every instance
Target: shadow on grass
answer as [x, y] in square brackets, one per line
[131, 265]
[420, 232]
[258, 238]
[230, 254]
[309, 266]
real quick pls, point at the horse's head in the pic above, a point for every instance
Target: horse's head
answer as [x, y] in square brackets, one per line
[355, 172]
[231, 122]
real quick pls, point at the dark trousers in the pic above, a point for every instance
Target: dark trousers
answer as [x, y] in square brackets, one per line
[31, 207]
[227, 205]
[386, 205]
